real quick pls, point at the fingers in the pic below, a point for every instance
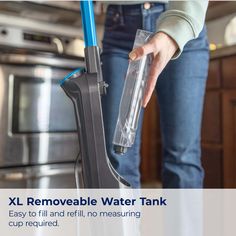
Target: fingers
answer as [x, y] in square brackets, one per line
[155, 70]
[139, 52]
[163, 48]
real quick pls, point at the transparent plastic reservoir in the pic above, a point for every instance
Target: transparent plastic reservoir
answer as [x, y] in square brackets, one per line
[131, 100]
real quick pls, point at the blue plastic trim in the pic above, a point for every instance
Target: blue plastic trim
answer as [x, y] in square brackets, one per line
[88, 23]
[71, 74]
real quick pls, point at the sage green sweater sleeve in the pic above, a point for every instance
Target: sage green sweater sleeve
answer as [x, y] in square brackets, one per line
[183, 21]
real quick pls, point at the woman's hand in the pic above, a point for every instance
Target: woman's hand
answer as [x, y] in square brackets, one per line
[163, 47]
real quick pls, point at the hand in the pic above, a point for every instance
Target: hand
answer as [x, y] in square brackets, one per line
[163, 47]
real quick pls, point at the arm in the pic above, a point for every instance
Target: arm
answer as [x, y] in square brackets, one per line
[182, 22]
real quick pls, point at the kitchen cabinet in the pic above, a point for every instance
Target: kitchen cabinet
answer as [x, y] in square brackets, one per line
[218, 126]
[229, 133]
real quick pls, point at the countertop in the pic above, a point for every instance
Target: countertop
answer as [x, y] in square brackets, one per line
[223, 52]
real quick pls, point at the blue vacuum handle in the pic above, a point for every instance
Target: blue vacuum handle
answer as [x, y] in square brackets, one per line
[92, 52]
[88, 23]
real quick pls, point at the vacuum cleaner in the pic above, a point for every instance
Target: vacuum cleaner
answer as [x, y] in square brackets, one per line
[85, 89]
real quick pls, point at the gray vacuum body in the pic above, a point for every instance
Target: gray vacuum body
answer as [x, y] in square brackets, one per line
[96, 171]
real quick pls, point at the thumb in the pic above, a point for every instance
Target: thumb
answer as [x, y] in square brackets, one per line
[139, 52]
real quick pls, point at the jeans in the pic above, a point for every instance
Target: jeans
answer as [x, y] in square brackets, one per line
[180, 89]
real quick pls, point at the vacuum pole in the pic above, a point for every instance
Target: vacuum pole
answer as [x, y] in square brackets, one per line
[88, 23]
[91, 51]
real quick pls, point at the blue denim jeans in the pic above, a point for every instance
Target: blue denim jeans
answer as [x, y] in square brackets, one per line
[180, 89]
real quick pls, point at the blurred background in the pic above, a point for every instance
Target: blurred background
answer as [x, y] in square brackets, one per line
[41, 42]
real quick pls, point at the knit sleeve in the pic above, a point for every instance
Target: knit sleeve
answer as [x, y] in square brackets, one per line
[183, 21]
